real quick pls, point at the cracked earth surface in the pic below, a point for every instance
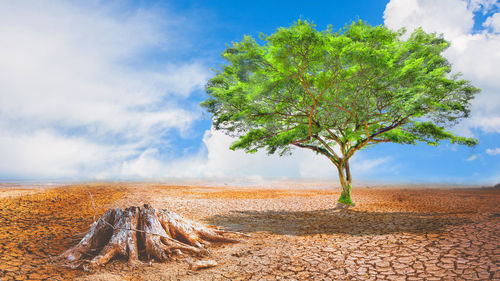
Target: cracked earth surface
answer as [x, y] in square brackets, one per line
[391, 234]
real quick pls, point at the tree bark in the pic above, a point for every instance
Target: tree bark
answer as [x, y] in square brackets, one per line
[141, 232]
[347, 171]
[345, 182]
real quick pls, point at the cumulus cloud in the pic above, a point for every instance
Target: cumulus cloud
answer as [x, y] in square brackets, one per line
[215, 161]
[44, 152]
[493, 151]
[493, 22]
[454, 20]
[74, 100]
[475, 54]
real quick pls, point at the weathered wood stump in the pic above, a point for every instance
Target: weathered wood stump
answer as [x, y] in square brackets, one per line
[145, 233]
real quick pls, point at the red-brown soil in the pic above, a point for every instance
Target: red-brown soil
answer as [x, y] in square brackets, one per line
[391, 234]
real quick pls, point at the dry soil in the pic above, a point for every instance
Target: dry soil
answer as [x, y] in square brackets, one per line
[296, 234]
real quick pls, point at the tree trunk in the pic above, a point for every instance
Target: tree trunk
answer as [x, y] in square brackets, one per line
[347, 172]
[141, 232]
[345, 182]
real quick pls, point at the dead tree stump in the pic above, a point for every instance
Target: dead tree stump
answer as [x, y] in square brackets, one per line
[141, 233]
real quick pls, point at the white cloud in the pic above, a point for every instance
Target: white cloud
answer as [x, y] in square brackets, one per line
[483, 5]
[493, 22]
[45, 154]
[450, 17]
[493, 151]
[475, 55]
[73, 99]
[216, 161]
[472, 157]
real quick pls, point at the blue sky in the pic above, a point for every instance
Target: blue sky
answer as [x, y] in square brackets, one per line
[100, 90]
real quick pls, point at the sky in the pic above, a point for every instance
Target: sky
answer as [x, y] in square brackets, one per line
[110, 90]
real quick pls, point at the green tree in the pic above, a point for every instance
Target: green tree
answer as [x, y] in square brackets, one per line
[337, 92]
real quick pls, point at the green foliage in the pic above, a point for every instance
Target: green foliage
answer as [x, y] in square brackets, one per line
[414, 131]
[351, 88]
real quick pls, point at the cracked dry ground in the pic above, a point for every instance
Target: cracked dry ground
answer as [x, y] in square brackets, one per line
[392, 234]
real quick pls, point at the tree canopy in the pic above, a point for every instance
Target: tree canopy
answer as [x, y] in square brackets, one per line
[336, 92]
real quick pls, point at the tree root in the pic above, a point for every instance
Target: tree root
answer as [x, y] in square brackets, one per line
[141, 233]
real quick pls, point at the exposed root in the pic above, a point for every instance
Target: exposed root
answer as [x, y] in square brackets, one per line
[98, 236]
[145, 233]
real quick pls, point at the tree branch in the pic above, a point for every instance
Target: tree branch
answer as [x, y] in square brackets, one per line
[319, 150]
[362, 143]
[327, 147]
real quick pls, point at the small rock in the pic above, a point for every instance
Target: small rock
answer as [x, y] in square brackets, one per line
[202, 264]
